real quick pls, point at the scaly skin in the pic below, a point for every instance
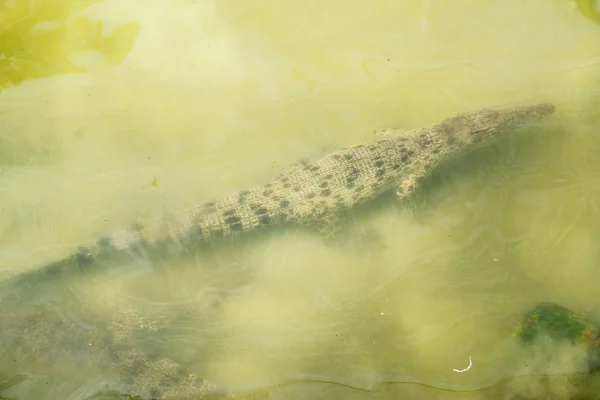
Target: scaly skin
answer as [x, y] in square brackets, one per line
[312, 194]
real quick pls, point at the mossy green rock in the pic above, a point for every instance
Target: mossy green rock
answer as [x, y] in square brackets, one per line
[561, 324]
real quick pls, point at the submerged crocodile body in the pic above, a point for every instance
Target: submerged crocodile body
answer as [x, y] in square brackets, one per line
[313, 194]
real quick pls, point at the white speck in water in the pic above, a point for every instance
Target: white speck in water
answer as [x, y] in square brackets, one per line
[495, 259]
[382, 313]
[90, 343]
[466, 369]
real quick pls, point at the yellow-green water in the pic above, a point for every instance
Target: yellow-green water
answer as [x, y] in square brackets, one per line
[217, 97]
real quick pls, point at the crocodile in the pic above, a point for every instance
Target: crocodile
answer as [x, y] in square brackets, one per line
[314, 194]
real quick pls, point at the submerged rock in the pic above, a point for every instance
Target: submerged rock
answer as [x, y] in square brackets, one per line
[562, 325]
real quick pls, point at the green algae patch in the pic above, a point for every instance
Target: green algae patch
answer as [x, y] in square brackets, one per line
[558, 323]
[40, 39]
[561, 324]
[589, 8]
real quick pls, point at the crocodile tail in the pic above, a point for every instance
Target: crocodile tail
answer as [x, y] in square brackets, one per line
[148, 244]
[85, 259]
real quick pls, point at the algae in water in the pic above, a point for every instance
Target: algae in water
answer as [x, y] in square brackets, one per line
[39, 39]
[589, 8]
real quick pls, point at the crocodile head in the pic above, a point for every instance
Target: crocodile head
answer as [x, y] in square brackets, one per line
[469, 131]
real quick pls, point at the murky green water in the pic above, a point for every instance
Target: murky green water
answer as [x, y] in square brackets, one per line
[217, 97]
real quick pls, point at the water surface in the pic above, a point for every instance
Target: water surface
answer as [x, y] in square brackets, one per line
[218, 97]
